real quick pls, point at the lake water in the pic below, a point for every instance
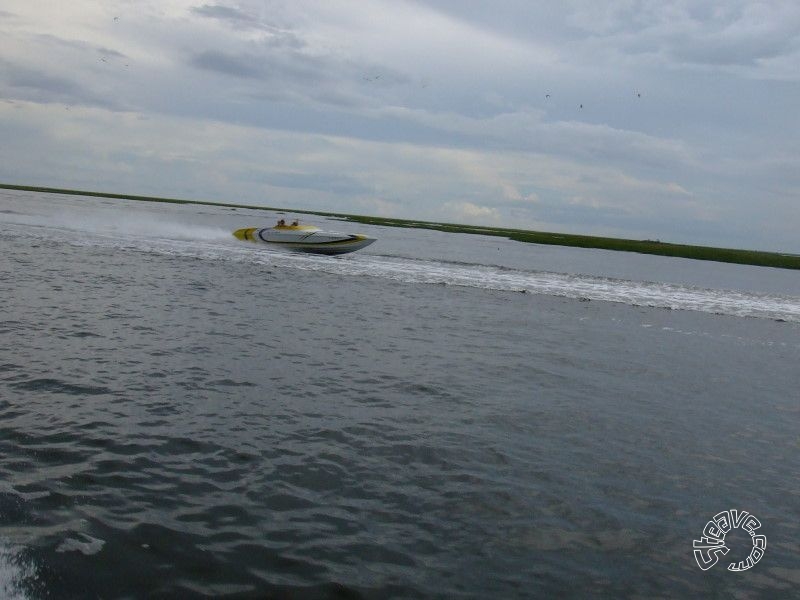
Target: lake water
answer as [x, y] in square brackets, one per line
[186, 415]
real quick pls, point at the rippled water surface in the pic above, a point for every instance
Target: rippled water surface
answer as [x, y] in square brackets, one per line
[186, 415]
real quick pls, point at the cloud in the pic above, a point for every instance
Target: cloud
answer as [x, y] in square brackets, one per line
[30, 84]
[333, 183]
[38, 84]
[225, 13]
[468, 213]
[378, 207]
[227, 64]
[530, 131]
[408, 106]
[216, 161]
[689, 33]
[239, 19]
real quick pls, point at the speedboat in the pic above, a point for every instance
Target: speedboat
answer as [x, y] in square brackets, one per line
[304, 238]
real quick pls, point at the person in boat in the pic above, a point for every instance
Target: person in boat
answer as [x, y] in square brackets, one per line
[281, 223]
[296, 222]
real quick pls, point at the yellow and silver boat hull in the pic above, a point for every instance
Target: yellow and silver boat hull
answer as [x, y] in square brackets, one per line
[304, 238]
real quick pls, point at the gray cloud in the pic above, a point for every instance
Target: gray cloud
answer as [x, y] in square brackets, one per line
[40, 82]
[228, 64]
[23, 83]
[61, 47]
[694, 32]
[68, 73]
[732, 50]
[338, 184]
[286, 74]
[238, 19]
[510, 17]
[399, 102]
[225, 13]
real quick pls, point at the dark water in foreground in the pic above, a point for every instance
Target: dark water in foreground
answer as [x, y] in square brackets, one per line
[183, 415]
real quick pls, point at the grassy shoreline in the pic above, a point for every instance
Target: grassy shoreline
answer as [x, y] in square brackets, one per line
[730, 255]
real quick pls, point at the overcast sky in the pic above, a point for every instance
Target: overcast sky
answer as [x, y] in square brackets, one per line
[671, 120]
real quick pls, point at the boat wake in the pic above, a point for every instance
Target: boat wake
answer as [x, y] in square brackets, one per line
[219, 245]
[14, 574]
[576, 286]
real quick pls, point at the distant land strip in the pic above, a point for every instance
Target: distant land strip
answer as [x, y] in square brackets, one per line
[730, 255]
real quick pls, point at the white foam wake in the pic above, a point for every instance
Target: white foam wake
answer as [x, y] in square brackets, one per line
[13, 574]
[637, 293]
[408, 270]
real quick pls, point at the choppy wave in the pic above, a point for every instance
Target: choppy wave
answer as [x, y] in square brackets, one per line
[357, 431]
[217, 246]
